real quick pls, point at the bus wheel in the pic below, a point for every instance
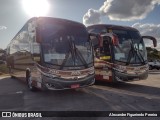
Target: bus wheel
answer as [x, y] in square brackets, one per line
[150, 67]
[29, 82]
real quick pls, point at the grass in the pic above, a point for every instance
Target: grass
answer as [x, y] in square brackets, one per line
[3, 69]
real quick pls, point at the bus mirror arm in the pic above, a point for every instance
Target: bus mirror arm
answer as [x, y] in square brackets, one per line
[151, 38]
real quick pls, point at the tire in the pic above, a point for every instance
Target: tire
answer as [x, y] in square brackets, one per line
[29, 81]
[44, 88]
[10, 72]
[150, 67]
[13, 77]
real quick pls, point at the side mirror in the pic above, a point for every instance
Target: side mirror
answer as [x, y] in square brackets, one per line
[151, 38]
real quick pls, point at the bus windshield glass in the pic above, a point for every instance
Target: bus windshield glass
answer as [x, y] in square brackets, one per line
[65, 44]
[131, 47]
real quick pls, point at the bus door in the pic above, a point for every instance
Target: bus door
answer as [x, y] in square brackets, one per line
[103, 56]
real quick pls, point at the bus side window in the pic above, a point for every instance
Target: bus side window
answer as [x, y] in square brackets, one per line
[36, 48]
[14, 47]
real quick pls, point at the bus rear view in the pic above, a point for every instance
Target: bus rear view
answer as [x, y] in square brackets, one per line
[121, 54]
[57, 54]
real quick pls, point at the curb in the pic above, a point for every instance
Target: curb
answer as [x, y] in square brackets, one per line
[3, 74]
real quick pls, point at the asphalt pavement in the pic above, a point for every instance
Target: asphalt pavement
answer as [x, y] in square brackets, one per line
[133, 96]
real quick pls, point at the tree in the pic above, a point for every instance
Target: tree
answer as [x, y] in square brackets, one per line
[2, 54]
[152, 53]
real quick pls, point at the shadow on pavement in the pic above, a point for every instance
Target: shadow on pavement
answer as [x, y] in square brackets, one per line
[132, 87]
[154, 71]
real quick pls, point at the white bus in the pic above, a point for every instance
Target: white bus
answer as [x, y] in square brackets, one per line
[52, 53]
[120, 55]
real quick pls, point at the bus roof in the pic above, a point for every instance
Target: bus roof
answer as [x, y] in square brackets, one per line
[60, 20]
[111, 26]
[55, 19]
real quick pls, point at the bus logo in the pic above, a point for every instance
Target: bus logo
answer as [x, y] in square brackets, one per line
[76, 73]
[53, 72]
[137, 69]
[6, 114]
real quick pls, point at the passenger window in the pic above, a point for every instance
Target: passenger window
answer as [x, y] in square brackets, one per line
[24, 41]
[14, 47]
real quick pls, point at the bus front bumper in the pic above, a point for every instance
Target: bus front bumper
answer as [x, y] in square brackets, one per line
[61, 84]
[123, 77]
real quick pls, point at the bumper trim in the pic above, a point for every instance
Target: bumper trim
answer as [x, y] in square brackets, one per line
[62, 84]
[122, 77]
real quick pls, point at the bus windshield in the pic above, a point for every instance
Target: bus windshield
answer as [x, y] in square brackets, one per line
[131, 47]
[66, 45]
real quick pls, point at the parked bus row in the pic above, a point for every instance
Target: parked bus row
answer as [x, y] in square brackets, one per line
[55, 54]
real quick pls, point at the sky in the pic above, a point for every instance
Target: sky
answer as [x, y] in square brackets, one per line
[141, 14]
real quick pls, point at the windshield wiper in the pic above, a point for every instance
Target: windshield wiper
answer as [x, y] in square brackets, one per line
[78, 54]
[74, 52]
[67, 56]
[140, 56]
[133, 53]
[81, 57]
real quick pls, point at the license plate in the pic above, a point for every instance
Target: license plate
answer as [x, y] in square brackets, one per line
[75, 86]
